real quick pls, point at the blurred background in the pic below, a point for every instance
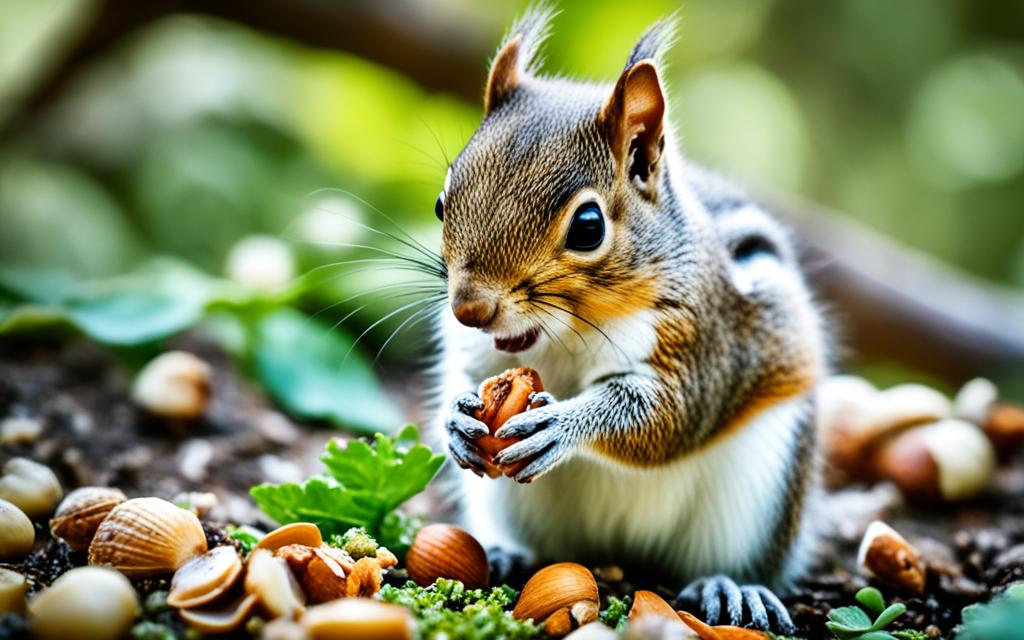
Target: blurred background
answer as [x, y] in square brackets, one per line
[213, 150]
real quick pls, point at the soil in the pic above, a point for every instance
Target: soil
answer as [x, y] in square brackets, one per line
[93, 435]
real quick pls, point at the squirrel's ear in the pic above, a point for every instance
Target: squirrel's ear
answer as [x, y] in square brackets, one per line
[504, 75]
[517, 57]
[633, 122]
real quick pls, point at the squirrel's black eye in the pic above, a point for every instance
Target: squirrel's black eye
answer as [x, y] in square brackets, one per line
[439, 207]
[586, 231]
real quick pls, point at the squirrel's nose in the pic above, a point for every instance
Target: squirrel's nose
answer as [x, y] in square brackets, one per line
[475, 312]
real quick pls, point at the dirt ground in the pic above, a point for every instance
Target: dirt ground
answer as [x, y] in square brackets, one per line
[93, 435]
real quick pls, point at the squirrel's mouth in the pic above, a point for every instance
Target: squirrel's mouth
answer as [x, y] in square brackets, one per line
[518, 343]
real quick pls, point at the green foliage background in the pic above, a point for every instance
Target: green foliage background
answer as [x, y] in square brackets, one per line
[906, 115]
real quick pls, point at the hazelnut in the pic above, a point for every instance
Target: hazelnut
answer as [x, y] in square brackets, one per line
[175, 384]
[565, 591]
[147, 536]
[80, 513]
[16, 532]
[888, 556]
[446, 551]
[505, 395]
[13, 589]
[31, 486]
[87, 603]
[947, 460]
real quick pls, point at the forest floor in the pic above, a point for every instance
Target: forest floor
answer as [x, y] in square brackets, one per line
[93, 435]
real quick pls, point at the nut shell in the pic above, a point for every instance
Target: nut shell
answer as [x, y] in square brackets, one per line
[648, 603]
[221, 619]
[304, 533]
[554, 587]
[446, 551]
[274, 585]
[888, 556]
[147, 536]
[205, 578]
[81, 512]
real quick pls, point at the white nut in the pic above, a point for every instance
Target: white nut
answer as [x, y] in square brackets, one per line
[964, 455]
[16, 533]
[87, 603]
[20, 429]
[261, 263]
[975, 400]
[31, 486]
[175, 384]
[593, 631]
[13, 588]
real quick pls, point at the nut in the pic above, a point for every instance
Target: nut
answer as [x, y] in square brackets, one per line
[1005, 428]
[358, 618]
[175, 384]
[558, 586]
[446, 551]
[221, 619]
[593, 631]
[322, 571]
[504, 396]
[887, 555]
[13, 589]
[723, 632]
[20, 430]
[975, 400]
[87, 603]
[81, 512]
[31, 486]
[274, 585]
[304, 533]
[204, 578]
[147, 536]
[948, 460]
[648, 603]
[16, 532]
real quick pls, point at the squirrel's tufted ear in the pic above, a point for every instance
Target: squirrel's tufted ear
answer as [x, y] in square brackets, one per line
[517, 56]
[633, 122]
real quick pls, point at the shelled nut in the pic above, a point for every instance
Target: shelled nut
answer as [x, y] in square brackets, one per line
[16, 532]
[87, 603]
[175, 384]
[13, 589]
[504, 395]
[31, 486]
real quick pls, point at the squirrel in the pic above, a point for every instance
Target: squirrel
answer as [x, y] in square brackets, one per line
[664, 310]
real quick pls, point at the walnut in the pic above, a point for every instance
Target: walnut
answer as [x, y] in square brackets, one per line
[504, 396]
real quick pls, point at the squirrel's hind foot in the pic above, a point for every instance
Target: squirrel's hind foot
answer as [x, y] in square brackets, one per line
[749, 605]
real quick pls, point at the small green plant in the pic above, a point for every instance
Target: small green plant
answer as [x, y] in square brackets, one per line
[447, 609]
[616, 613]
[364, 485]
[244, 536]
[854, 623]
[1000, 619]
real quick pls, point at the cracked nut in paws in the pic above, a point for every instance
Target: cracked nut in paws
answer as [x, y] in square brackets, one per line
[505, 395]
[446, 551]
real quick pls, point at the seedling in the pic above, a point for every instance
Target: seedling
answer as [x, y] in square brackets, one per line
[854, 623]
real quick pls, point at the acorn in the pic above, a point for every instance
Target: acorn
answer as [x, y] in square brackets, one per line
[565, 592]
[446, 551]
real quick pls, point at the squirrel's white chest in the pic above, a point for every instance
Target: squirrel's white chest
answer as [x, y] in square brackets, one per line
[710, 512]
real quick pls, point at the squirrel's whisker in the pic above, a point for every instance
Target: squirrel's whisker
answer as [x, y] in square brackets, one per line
[413, 304]
[611, 342]
[408, 322]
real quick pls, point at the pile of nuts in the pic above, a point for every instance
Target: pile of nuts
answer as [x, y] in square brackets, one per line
[932, 448]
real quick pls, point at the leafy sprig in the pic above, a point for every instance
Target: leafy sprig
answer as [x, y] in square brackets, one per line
[364, 485]
[854, 623]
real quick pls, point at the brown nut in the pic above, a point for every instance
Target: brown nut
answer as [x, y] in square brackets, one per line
[446, 551]
[557, 586]
[81, 512]
[1005, 428]
[505, 395]
[887, 555]
[175, 384]
[147, 536]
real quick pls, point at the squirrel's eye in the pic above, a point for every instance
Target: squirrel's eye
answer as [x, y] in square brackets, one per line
[586, 231]
[439, 207]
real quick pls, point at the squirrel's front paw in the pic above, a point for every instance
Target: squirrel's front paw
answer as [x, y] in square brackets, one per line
[463, 431]
[545, 441]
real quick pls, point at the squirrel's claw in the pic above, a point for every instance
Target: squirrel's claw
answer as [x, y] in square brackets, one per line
[756, 601]
[540, 399]
[544, 463]
[527, 423]
[463, 429]
[467, 455]
[523, 449]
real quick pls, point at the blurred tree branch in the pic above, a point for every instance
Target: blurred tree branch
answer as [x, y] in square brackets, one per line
[891, 302]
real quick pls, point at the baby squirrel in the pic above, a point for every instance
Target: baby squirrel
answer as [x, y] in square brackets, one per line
[665, 312]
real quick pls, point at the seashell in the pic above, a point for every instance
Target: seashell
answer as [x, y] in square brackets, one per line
[17, 535]
[87, 603]
[648, 603]
[13, 589]
[304, 533]
[274, 585]
[204, 578]
[446, 551]
[147, 536]
[81, 512]
[358, 618]
[555, 587]
[222, 619]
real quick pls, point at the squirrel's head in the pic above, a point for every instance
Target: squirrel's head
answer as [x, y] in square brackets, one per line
[538, 208]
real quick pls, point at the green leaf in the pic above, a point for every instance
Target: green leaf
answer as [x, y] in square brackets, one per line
[871, 598]
[310, 368]
[316, 500]
[850, 618]
[892, 612]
